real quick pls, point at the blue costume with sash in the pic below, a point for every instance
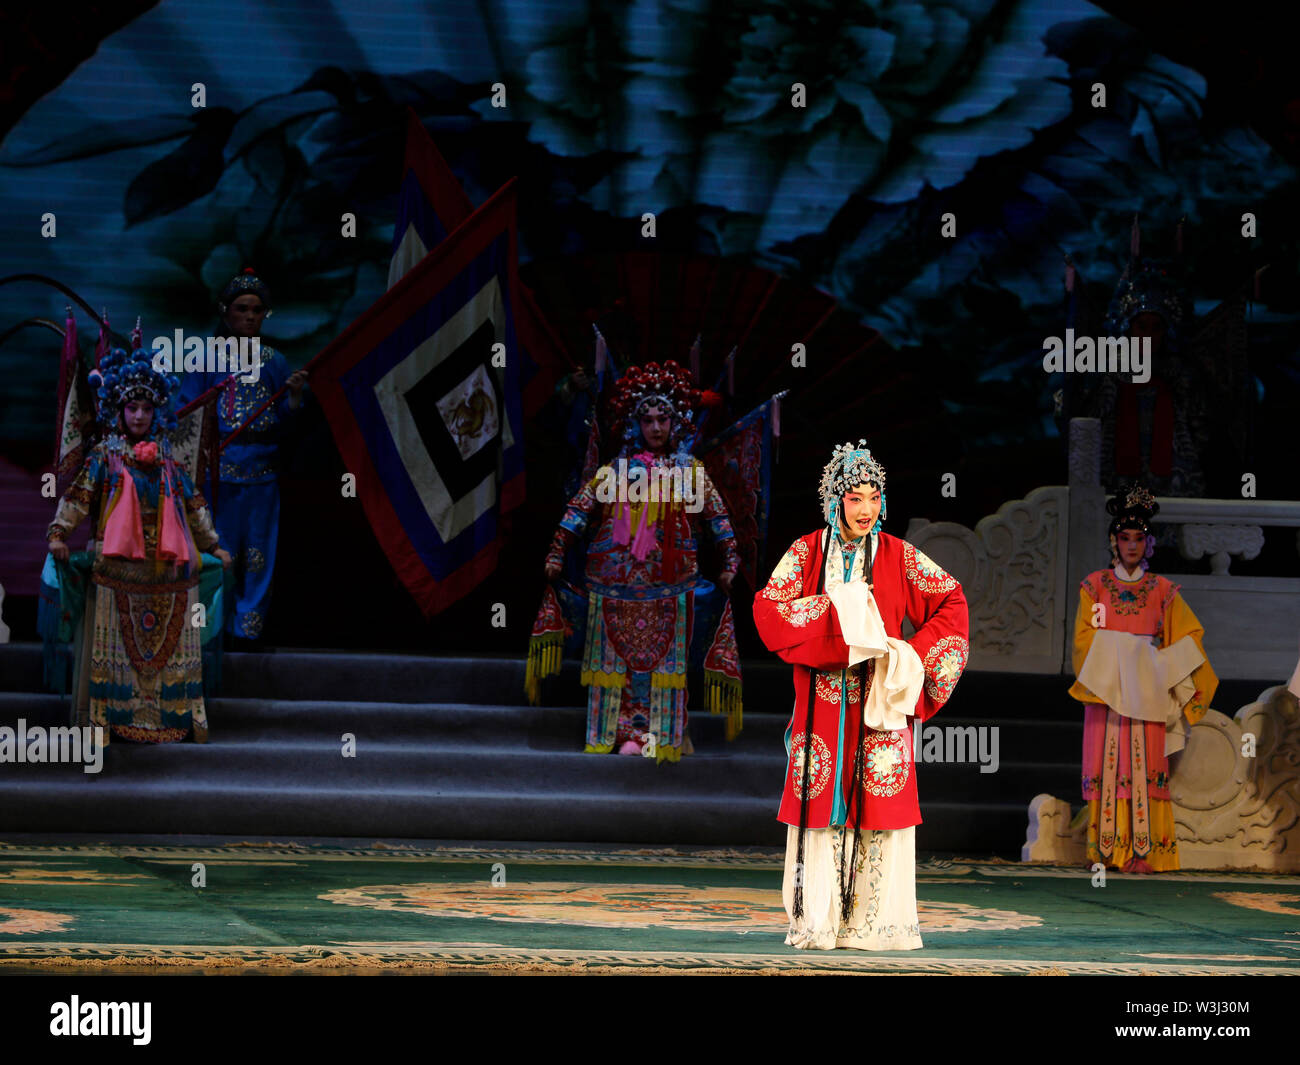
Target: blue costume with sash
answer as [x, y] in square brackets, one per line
[247, 496]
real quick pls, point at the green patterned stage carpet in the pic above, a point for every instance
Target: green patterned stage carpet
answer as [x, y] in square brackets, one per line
[325, 908]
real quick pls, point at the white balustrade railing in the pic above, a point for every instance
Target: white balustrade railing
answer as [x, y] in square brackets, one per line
[1021, 569]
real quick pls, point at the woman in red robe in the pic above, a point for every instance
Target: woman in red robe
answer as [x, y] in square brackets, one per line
[834, 609]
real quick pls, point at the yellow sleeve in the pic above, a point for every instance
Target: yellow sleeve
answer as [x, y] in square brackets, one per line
[75, 505]
[1084, 633]
[1180, 622]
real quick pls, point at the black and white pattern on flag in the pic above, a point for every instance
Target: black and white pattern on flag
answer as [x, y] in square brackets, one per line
[455, 408]
[444, 406]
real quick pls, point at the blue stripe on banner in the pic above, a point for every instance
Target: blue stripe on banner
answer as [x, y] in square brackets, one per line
[413, 206]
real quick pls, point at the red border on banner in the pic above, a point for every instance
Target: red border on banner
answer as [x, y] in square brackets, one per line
[444, 192]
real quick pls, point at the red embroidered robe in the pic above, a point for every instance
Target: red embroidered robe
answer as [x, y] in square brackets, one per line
[804, 630]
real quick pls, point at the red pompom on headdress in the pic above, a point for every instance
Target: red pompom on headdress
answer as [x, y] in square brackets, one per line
[654, 385]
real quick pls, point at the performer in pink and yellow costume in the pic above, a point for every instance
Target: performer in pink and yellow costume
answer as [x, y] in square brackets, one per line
[1144, 679]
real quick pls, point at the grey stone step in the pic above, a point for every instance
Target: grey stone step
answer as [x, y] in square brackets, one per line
[205, 809]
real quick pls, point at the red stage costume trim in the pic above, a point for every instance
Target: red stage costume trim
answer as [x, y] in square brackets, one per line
[722, 688]
[545, 645]
[887, 767]
[925, 574]
[819, 773]
[149, 735]
[944, 663]
[641, 631]
[830, 687]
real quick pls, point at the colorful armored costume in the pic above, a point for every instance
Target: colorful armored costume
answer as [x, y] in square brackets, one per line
[1144, 680]
[145, 680]
[247, 493]
[645, 598]
[834, 609]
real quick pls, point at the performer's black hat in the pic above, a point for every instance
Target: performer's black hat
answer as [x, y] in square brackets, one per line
[241, 285]
[1133, 508]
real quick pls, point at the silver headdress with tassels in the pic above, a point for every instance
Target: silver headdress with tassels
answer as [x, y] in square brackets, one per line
[849, 467]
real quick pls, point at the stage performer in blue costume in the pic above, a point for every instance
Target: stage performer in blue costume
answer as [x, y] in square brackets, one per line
[834, 609]
[247, 497]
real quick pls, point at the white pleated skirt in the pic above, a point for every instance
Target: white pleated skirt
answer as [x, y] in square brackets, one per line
[884, 891]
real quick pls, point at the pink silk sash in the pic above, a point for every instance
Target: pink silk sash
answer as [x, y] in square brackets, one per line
[124, 532]
[173, 543]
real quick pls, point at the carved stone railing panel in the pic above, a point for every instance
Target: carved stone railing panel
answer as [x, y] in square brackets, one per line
[1282, 513]
[1235, 790]
[1220, 542]
[1251, 623]
[1012, 571]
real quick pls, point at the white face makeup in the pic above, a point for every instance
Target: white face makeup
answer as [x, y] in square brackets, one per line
[1132, 546]
[656, 428]
[859, 509]
[137, 416]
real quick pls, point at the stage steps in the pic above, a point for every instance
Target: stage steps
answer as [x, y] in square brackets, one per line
[446, 749]
[24, 516]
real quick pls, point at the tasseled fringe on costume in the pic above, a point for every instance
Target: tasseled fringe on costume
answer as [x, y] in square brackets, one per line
[600, 679]
[722, 695]
[544, 655]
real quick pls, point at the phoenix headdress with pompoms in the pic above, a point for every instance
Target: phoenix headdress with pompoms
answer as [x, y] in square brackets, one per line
[849, 467]
[667, 387]
[120, 378]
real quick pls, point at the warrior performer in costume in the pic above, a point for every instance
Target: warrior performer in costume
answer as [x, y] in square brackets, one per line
[1155, 430]
[643, 584]
[247, 498]
[1144, 680]
[834, 609]
[146, 679]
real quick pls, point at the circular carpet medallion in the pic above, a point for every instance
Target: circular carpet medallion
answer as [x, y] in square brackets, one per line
[1262, 900]
[731, 909]
[21, 922]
